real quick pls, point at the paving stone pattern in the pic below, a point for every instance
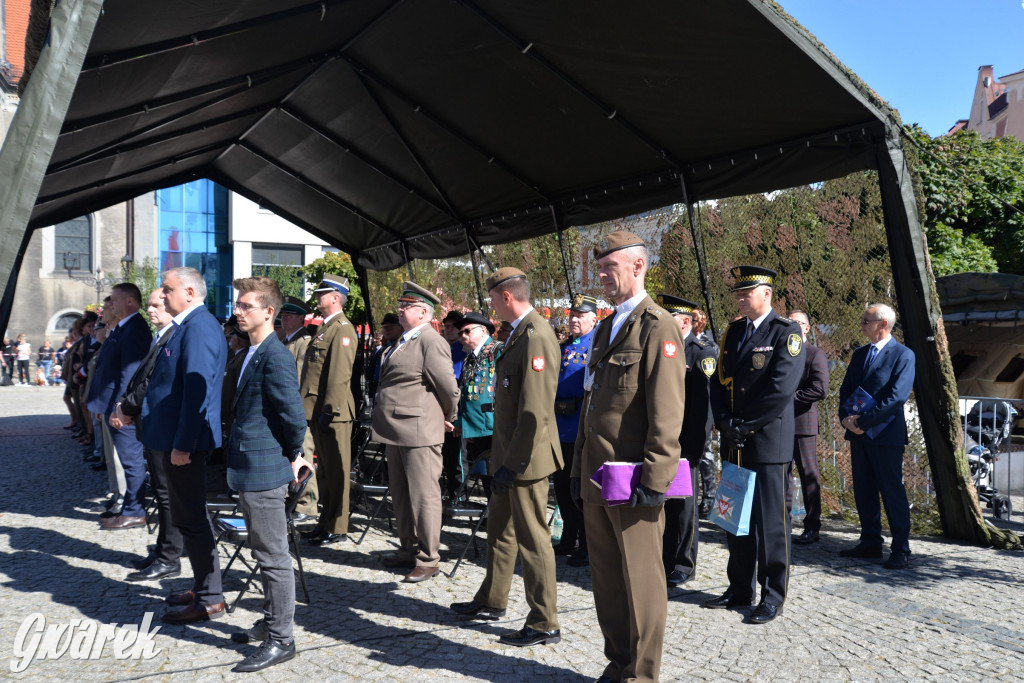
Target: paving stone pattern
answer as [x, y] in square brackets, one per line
[955, 615]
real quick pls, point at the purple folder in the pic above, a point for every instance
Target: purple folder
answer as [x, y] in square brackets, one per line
[617, 480]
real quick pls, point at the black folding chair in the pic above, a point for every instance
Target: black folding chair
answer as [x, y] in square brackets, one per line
[369, 479]
[234, 531]
[464, 508]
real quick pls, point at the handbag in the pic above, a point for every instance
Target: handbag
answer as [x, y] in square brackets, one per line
[734, 500]
[618, 480]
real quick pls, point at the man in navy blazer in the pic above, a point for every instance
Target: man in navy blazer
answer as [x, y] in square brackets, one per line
[181, 421]
[264, 455]
[119, 358]
[884, 369]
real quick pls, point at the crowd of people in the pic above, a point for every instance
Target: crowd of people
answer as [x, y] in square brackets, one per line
[643, 388]
[16, 363]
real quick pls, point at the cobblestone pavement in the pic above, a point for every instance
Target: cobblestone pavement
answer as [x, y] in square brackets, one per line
[955, 615]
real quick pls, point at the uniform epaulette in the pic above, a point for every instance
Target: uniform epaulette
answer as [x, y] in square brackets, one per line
[529, 329]
[786, 321]
[701, 343]
[654, 310]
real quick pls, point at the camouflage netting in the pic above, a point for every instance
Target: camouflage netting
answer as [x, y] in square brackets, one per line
[827, 242]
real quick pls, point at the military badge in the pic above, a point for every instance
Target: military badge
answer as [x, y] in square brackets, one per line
[671, 349]
[603, 244]
[577, 301]
[707, 366]
[758, 360]
[794, 344]
[345, 341]
[504, 382]
[538, 363]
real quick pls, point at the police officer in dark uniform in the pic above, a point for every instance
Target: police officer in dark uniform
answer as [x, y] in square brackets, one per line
[759, 370]
[682, 527]
[568, 402]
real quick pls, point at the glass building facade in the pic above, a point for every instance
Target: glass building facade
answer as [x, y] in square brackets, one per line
[193, 225]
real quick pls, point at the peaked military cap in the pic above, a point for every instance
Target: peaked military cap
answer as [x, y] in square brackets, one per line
[503, 275]
[584, 303]
[676, 305]
[620, 239]
[474, 318]
[390, 319]
[293, 304]
[333, 283]
[412, 293]
[748, 277]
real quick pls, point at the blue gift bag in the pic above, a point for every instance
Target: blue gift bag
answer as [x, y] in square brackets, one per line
[734, 500]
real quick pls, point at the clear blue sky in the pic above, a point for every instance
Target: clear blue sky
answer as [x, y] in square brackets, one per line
[921, 56]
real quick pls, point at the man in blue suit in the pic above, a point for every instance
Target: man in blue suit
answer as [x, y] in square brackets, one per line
[181, 421]
[883, 369]
[264, 455]
[118, 360]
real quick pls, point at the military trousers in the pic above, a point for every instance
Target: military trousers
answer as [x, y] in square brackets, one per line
[310, 497]
[630, 591]
[517, 525]
[413, 474]
[334, 465]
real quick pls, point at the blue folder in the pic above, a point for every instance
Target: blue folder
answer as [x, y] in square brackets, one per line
[860, 402]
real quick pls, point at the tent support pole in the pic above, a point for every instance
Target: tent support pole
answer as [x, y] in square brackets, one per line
[408, 261]
[364, 286]
[565, 257]
[476, 270]
[698, 250]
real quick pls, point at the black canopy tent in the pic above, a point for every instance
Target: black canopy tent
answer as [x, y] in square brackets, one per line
[421, 129]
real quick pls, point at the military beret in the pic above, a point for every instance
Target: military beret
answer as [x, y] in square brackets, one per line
[454, 317]
[676, 305]
[620, 239]
[584, 304]
[412, 293]
[333, 283]
[748, 277]
[293, 304]
[390, 319]
[503, 275]
[474, 318]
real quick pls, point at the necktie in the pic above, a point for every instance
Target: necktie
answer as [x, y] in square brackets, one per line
[393, 349]
[871, 356]
[748, 333]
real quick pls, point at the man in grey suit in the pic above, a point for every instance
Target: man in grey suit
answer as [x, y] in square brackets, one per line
[264, 455]
[417, 401]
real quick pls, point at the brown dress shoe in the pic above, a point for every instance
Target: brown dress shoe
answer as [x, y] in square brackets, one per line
[122, 522]
[421, 574]
[193, 613]
[181, 599]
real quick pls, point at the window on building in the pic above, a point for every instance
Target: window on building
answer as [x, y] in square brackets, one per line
[64, 321]
[72, 245]
[282, 263]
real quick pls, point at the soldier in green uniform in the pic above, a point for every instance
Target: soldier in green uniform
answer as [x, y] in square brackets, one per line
[326, 388]
[524, 452]
[295, 337]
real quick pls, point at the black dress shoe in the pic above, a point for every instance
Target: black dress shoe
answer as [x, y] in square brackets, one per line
[156, 571]
[565, 548]
[764, 613]
[328, 539]
[862, 551]
[256, 633]
[271, 652]
[898, 560]
[299, 517]
[315, 532]
[704, 509]
[111, 512]
[476, 610]
[727, 601]
[98, 467]
[144, 562]
[676, 577]
[88, 459]
[580, 558]
[528, 636]
[808, 537]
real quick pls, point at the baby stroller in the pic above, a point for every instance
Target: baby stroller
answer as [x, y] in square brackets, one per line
[987, 426]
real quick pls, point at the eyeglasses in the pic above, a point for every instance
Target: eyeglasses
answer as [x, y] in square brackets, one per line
[469, 329]
[868, 321]
[242, 307]
[404, 306]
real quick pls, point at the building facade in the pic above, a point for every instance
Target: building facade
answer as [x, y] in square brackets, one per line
[997, 108]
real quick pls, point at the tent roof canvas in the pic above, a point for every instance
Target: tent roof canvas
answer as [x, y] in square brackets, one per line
[400, 130]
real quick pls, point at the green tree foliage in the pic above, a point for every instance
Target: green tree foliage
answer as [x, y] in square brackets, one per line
[973, 192]
[288, 278]
[144, 275]
[338, 263]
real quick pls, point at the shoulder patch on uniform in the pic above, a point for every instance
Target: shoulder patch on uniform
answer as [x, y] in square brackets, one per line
[794, 343]
[707, 365]
[346, 341]
[671, 349]
[653, 310]
[538, 363]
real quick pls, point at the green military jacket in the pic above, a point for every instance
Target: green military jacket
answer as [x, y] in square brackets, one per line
[326, 378]
[525, 433]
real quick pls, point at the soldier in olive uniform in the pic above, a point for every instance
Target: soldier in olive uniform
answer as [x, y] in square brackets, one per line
[759, 370]
[295, 337]
[326, 388]
[524, 452]
[682, 527]
[633, 414]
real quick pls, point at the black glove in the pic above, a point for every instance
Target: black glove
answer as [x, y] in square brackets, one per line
[503, 480]
[324, 420]
[645, 498]
[736, 433]
[576, 492]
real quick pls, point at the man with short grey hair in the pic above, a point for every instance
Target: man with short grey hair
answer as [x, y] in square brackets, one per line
[877, 385]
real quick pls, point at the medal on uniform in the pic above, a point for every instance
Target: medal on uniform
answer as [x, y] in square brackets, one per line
[758, 360]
